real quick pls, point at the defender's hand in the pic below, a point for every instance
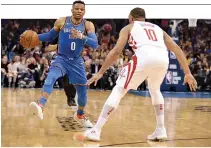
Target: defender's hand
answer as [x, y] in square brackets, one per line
[191, 82]
[76, 34]
[95, 78]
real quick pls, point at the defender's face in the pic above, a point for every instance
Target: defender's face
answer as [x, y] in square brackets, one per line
[78, 11]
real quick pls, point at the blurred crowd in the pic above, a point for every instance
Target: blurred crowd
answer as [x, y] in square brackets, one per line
[196, 44]
[29, 67]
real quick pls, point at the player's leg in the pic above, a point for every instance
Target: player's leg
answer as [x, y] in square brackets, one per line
[154, 83]
[77, 76]
[79, 116]
[129, 78]
[70, 91]
[110, 105]
[82, 101]
[54, 73]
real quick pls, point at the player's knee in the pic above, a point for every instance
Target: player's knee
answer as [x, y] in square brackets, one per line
[157, 97]
[48, 85]
[53, 75]
[82, 95]
[115, 96]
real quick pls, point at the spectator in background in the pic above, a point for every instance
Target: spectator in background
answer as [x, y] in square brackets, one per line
[95, 65]
[112, 42]
[34, 69]
[27, 80]
[22, 72]
[200, 75]
[4, 69]
[13, 71]
[10, 47]
[85, 55]
[208, 50]
[105, 38]
[44, 70]
[22, 68]
[208, 79]
[126, 57]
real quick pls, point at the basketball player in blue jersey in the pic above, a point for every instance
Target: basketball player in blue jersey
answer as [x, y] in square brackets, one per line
[71, 31]
[69, 89]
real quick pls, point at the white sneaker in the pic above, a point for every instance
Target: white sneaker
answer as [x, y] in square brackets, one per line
[36, 109]
[158, 134]
[83, 121]
[92, 135]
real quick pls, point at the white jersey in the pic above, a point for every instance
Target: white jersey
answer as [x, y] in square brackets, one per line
[150, 59]
[147, 39]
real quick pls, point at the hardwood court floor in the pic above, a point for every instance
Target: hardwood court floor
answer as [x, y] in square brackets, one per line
[188, 121]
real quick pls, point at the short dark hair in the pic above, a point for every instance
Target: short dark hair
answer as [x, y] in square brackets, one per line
[138, 13]
[78, 2]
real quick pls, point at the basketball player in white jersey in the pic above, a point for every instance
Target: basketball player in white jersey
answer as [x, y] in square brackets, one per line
[150, 44]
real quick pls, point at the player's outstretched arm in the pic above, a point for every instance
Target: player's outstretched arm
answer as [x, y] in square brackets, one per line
[91, 38]
[54, 32]
[117, 50]
[172, 46]
[112, 55]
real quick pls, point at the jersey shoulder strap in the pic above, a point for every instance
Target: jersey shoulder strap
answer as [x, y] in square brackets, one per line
[85, 31]
[65, 22]
[68, 19]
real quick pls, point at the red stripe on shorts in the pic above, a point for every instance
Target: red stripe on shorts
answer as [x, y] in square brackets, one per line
[133, 70]
[128, 73]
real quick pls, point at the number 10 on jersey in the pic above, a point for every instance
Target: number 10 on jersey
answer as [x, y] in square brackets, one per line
[151, 34]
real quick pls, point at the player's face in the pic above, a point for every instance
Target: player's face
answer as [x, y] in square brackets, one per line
[78, 11]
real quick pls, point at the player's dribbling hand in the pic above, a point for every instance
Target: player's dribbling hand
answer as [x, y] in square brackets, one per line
[95, 78]
[76, 34]
[191, 82]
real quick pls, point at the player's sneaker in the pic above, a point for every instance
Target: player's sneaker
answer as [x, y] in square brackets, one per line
[92, 134]
[83, 120]
[36, 109]
[158, 134]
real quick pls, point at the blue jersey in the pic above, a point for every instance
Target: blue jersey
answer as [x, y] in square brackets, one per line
[67, 46]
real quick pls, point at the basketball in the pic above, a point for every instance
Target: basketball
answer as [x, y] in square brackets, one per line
[29, 39]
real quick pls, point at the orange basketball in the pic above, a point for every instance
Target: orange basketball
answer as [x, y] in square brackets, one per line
[29, 39]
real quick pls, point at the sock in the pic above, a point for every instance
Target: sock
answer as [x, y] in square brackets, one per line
[43, 101]
[104, 115]
[110, 105]
[159, 112]
[82, 95]
[80, 112]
